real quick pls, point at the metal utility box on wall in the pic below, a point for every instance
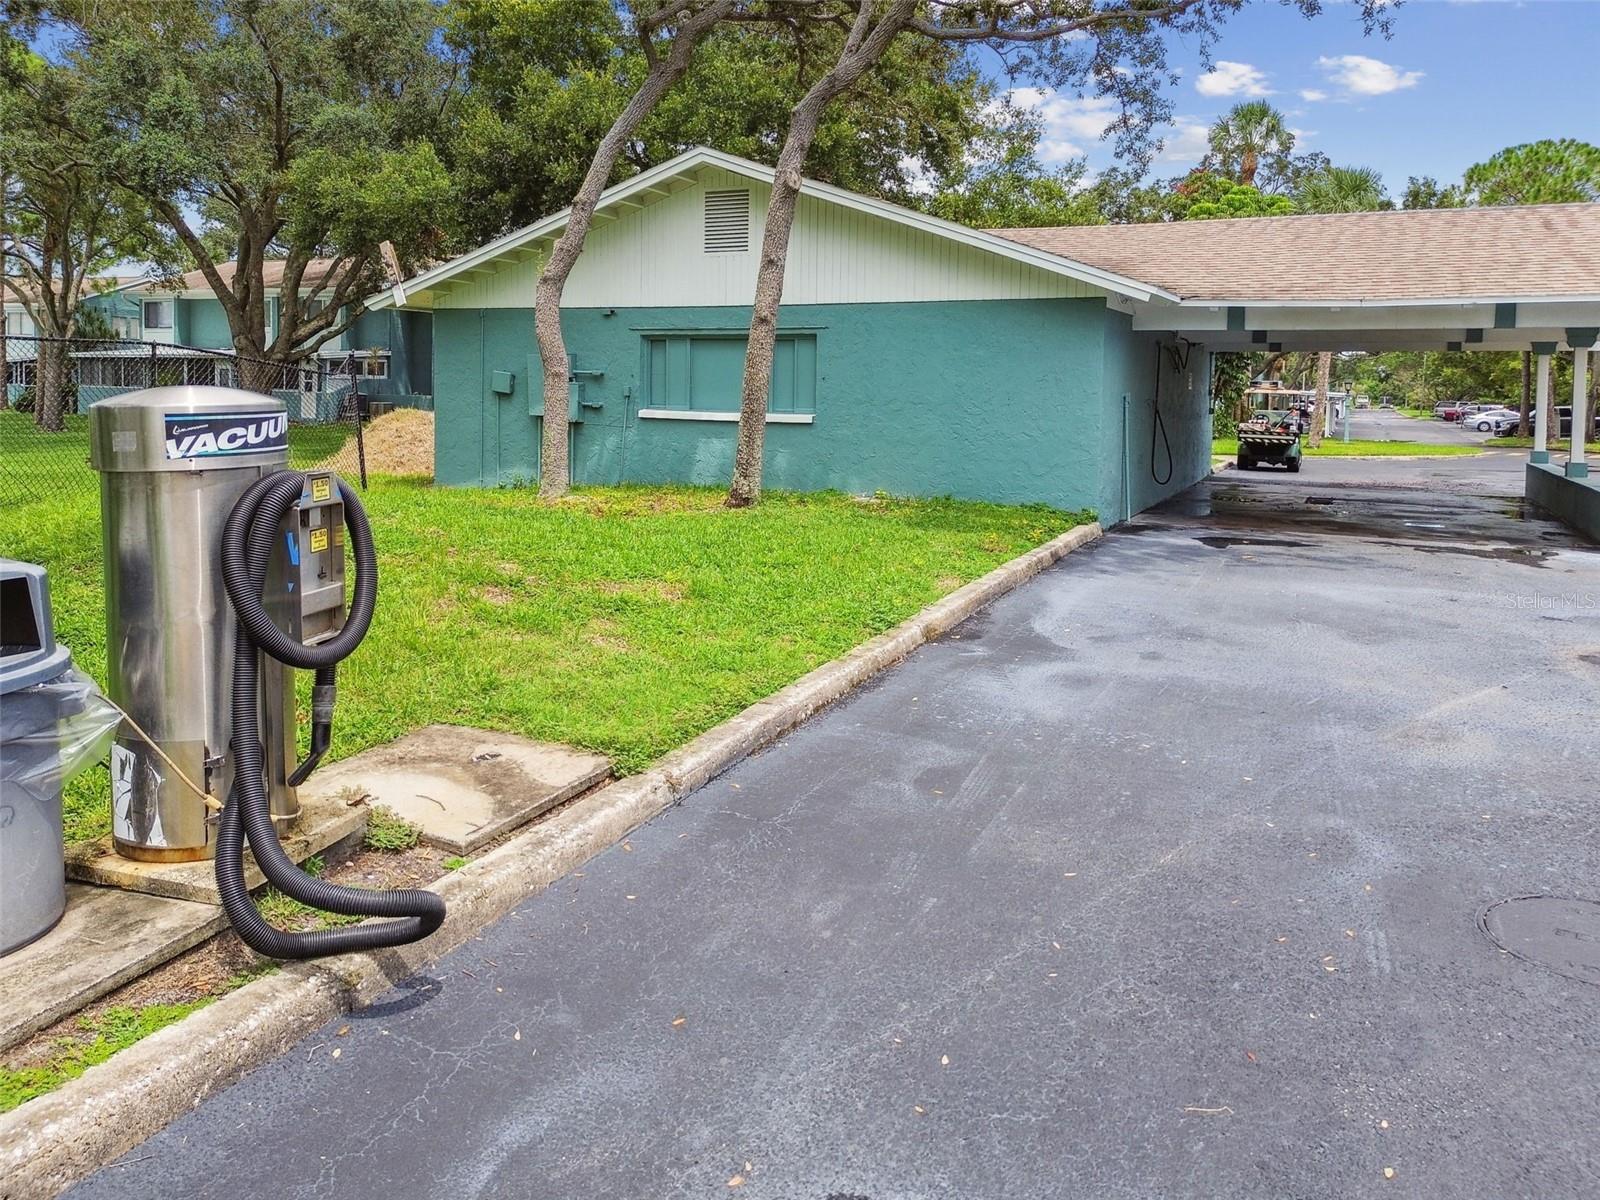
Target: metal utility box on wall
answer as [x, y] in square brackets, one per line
[502, 383]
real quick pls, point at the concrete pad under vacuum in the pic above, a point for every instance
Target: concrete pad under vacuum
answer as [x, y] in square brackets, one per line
[106, 938]
[464, 787]
[324, 821]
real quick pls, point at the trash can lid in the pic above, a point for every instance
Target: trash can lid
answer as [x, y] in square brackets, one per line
[28, 650]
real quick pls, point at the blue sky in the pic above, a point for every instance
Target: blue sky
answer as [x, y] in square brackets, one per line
[1457, 81]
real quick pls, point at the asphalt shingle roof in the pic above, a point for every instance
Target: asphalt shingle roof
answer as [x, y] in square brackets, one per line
[1418, 254]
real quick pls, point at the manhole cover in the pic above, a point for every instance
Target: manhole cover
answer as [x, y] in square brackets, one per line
[1560, 935]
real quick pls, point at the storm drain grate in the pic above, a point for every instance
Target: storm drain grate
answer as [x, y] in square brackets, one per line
[1561, 935]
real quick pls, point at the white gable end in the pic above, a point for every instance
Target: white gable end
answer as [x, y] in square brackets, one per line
[664, 255]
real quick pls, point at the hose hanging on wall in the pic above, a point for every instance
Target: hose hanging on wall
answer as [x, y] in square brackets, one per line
[248, 540]
[1158, 427]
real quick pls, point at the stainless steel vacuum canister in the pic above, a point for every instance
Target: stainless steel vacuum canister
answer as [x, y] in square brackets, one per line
[173, 461]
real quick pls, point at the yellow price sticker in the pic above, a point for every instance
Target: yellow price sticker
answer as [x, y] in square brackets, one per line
[321, 488]
[319, 539]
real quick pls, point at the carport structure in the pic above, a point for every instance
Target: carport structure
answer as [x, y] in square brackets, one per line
[1465, 279]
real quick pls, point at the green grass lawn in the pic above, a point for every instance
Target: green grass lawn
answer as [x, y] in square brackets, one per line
[624, 620]
[35, 465]
[1334, 448]
[1526, 443]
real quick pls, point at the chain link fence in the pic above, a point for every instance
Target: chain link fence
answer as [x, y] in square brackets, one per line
[50, 384]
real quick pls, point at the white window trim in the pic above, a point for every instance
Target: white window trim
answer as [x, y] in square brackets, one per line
[687, 414]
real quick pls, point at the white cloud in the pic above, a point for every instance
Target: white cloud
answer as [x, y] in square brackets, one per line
[1232, 79]
[1071, 123]
[1186, 142]
[918, 178]
[1363, 76]
[1312, 94]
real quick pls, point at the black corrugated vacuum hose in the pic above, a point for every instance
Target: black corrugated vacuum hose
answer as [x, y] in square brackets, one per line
[248, 540]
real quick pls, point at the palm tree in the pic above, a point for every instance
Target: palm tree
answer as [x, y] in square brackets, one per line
[1342, 190]
[1245, 137]
[1337, 190]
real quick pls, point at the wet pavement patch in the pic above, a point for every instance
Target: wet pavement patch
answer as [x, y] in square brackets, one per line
[1527, 556]
[1217, 542]
[1561, 935]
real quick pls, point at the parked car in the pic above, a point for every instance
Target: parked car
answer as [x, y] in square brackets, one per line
[1506, 424]
[1485, 421]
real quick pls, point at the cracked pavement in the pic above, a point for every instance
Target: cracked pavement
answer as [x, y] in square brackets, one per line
[1160, 877]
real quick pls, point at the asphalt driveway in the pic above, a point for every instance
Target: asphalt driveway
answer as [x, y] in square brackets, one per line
[1159, 878]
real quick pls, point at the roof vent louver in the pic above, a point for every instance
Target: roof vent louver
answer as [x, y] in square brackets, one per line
[728, 221]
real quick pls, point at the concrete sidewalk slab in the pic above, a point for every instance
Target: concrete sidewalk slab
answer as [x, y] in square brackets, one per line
[324, 823]
[463, 787]
[106, 938]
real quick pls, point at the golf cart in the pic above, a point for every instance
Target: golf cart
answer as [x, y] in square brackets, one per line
[1271, 436]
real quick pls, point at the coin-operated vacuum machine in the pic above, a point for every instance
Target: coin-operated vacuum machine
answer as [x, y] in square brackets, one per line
[225, 573]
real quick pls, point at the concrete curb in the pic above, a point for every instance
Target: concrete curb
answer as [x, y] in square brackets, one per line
[52, 1142]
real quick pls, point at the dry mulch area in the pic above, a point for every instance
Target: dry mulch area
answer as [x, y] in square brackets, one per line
[398, 443]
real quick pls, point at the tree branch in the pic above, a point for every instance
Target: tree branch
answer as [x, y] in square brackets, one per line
[997, 30]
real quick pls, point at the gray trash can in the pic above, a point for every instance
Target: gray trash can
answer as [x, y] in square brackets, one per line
[53, 722]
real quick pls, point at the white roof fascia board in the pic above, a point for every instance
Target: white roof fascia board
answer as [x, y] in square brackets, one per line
[1408, 302]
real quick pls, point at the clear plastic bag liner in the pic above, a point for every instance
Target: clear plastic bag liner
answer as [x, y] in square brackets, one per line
[52, 730]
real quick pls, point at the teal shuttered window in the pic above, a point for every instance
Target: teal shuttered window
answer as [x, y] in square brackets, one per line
[704, 372]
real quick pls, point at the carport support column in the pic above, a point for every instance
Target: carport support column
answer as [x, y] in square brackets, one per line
[1580, 340]
[1541, 402]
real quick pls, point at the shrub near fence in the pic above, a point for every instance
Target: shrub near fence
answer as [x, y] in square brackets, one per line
[51, 384]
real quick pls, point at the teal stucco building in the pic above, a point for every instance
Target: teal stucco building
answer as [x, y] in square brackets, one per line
[392, 350]
[915, 356]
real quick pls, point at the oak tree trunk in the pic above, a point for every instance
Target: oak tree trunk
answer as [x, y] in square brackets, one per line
[1552, 402]
[1594, 399]
[864, 46]
[1527, 392]
[1319, 407]
[50, 386]
[258, 375]
[554, 469]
